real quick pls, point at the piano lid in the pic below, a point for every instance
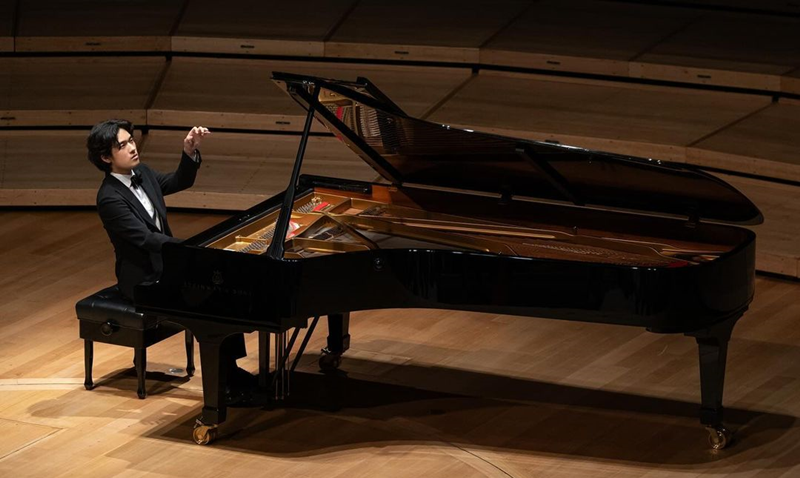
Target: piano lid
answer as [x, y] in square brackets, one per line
[409, 151]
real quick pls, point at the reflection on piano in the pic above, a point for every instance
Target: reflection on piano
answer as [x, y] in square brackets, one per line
[466, 221]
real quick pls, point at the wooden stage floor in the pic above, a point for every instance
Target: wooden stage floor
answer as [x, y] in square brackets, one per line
[424, 393]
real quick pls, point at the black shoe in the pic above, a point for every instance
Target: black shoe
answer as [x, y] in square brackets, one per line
[239, 398]
[241, 388]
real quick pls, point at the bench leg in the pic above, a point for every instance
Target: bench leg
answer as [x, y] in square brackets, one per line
[88, 359]
[140, 361]
[189, 353]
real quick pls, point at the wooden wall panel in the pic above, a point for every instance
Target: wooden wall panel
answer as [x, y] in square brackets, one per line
[772, 6]
[749, 51]
[222, 93]
[7, 12]
[258, 27]
[228, 93]
[47, 160]
[416, 89]
[450, 30]
[625, 118]
[778, 247]
[766, 143]
[790, 83]
[250, 166]
[75, 91]
[74, 25]
[50, 168]
[583, 35]
[28, 197]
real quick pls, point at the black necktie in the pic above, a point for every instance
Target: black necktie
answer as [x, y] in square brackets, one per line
[136, 181]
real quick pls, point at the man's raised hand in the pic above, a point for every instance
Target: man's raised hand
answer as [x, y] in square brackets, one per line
[192, 141]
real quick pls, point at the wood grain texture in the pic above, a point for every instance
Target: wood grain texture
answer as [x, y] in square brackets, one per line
[7, 11]
[790, 83]
[420, 30]
[258, 27]
[94, 43]
[766, 6]
[766, 144]
[778, 247]
[726, 49]
[619, 114]
[51, 169]
[262, 19]
[75, 91]
[227, 93]
[583, 36]
[428, 393]
[75, 17]
[254, 164]
[18, 435]
[47, 160]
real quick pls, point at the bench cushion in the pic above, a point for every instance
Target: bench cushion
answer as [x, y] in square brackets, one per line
[110, 305]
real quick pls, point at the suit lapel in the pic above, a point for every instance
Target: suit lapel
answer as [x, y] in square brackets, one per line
[128, 195]
[149, 186]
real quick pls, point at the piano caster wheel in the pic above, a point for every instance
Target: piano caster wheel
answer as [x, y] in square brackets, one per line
[204, 434]
[718, 437]
[329, 362]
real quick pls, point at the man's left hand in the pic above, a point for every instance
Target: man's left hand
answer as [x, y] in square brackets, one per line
[192, 141]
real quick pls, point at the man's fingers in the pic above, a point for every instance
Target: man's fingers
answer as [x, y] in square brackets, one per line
[196, 134]
[198, 131]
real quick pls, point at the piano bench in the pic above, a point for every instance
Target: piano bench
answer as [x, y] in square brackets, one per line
[108, 317]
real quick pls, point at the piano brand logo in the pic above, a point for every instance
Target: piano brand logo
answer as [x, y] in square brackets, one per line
[215, 288]
[216, 281]
[216, 278]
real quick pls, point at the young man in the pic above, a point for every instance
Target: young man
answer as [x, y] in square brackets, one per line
[131, 199]
[131, 205]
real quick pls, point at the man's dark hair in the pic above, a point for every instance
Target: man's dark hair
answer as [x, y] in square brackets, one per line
[102, 138]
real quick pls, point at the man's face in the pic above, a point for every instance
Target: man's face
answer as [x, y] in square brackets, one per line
[124, 155]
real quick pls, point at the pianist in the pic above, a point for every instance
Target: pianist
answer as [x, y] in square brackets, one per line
[131, 205]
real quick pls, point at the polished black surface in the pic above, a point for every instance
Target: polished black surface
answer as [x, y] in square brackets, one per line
[257, 289]
[407, 150]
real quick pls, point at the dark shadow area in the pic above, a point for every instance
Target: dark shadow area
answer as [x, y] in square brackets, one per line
[125, 380]
[332, 413]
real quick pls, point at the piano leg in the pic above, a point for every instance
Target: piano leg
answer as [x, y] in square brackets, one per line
[215, 376]
[189, 343]
[713, 351]
[338, 341]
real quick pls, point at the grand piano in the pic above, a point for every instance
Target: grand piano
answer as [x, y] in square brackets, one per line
[467, 221]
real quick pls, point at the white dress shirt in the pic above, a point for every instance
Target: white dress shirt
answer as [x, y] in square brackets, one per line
[140, 195]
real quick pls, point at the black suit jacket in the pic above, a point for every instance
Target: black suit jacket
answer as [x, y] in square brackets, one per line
[136, 239]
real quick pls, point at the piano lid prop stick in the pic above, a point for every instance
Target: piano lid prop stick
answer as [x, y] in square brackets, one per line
[275, 249]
